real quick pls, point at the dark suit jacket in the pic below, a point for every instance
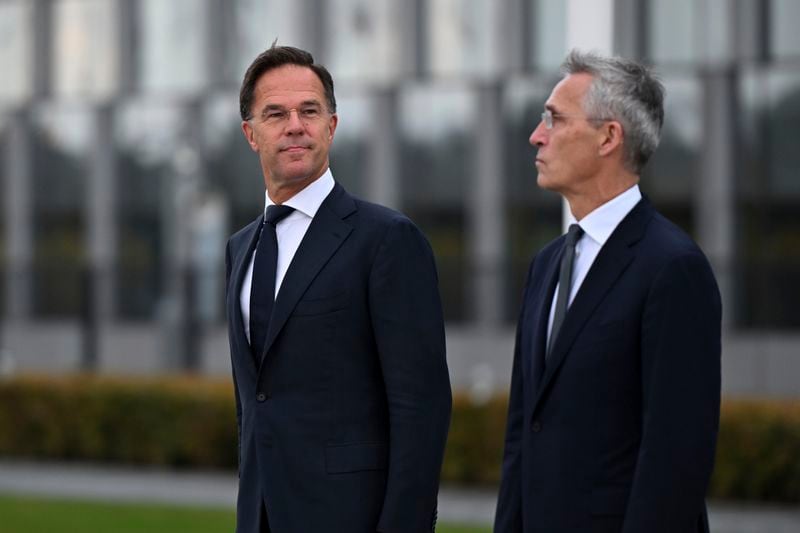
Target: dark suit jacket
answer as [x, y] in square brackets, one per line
[617, 431]
[342, 426]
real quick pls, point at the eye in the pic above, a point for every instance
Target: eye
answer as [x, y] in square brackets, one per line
[310, 112]
[274, 115]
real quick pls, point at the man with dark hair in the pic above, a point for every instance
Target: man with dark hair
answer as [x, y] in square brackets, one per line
[336, 332]
[614, 403]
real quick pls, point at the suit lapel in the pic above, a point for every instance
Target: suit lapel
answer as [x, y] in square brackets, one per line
[238, 271]
[324, 236]
[538, 336]
[608, 266]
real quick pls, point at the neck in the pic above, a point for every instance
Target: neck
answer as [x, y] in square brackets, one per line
[280, 193]
[584, 202]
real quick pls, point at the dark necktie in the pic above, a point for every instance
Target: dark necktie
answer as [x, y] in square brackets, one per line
[564, 282]
[262, 292]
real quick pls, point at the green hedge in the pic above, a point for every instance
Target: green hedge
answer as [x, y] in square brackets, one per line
[168, 422]
[190, 422]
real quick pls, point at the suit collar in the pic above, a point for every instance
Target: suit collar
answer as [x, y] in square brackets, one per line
[609, 265]
[245, 241]
[601, 223]
[309, 200]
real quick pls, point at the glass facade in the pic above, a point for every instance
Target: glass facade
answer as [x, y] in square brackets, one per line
[413, 80]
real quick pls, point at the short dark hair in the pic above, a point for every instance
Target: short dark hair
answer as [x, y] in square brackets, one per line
[628, 92]
[278, 56]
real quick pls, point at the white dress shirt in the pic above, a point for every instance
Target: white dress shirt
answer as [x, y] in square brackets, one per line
[290, 232]
[598, 227]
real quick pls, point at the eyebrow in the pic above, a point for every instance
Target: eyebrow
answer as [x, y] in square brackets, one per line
[304, 103]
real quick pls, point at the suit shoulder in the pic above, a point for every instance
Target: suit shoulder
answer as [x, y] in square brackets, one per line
[669, 241]
[382, 216]
[235, 239]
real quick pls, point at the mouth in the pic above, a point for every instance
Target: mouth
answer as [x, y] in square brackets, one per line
[293, 149]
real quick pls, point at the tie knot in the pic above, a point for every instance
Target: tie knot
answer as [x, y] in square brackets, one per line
[575, 232]
[276, 213]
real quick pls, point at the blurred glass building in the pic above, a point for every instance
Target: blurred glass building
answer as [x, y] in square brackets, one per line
[123, 168]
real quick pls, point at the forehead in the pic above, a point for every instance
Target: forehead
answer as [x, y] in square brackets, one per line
[288, 84]
[569, 92]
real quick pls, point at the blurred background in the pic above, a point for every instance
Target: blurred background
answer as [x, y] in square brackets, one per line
[123, 168]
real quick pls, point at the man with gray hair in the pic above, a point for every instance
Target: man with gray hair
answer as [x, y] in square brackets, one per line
[614, 403]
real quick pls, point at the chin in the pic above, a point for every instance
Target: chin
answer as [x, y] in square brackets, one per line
[543, 182]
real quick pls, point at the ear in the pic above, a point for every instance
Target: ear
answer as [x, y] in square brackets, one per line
[611, 137]
[247, 129]
[332, 126]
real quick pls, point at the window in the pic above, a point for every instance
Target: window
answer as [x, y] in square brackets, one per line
[174, 45]
[16, 50]
[62, 140]
[547, 35]
[147, 141]
[436, 124]
[257, 24]
[462, 37]
[85, 48]
[367, 40]
[768, 200]
[784, 37]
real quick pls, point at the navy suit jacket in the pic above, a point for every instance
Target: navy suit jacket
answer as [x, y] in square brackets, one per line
[342, 424]
[616, 432]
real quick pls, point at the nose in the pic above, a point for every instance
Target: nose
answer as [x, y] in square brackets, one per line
[539, 135]
[293, 121]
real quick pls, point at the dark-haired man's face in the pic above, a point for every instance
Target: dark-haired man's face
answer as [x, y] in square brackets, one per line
[291, 129]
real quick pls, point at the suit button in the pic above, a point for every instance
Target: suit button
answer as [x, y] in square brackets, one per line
[261, 396]
[536, 427]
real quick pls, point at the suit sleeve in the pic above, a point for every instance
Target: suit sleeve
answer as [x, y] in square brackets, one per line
[408, 327]
[233, 370]
[508, 516]
[680, 358]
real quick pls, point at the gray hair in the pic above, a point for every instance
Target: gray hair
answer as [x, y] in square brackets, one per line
[625, 91]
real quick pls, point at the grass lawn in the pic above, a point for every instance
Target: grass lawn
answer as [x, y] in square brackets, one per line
[41, 515]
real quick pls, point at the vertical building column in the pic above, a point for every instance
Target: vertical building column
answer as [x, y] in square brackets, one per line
[714, 199]
[383, 173]
[630, 21]
[180, 198]
[101, 220]
[18, 212]
[515, 37]
[486, 211]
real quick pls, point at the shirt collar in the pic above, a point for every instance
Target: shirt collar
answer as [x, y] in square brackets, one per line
[308, 200]
[601, 223]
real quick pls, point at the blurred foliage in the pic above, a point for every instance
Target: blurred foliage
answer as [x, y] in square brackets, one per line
[758, 452]
[190, 422]
[164, 422]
